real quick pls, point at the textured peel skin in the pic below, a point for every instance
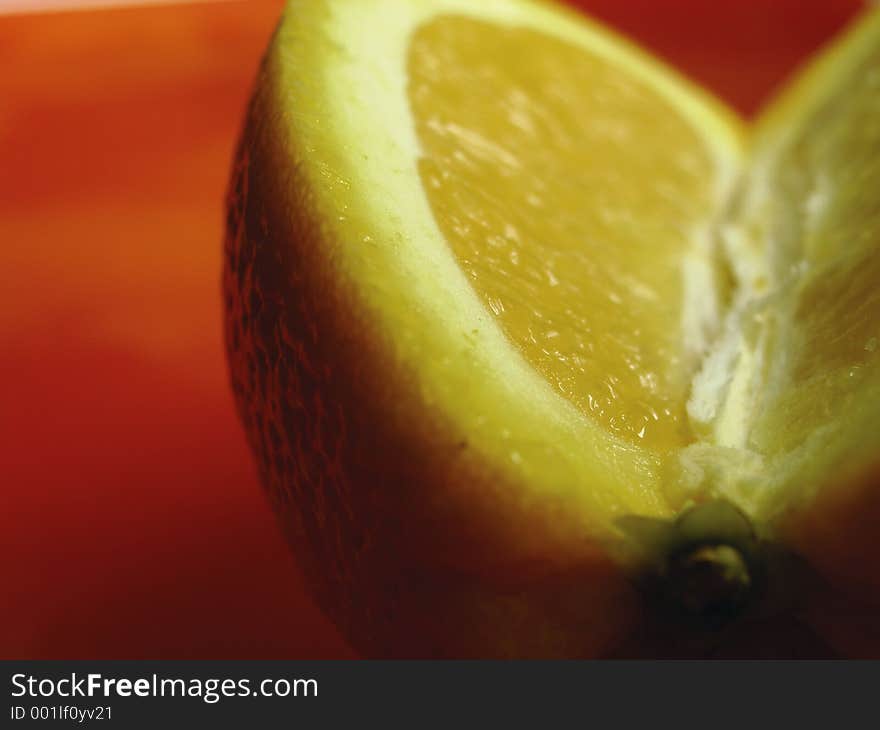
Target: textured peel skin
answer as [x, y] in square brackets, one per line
[408, 543]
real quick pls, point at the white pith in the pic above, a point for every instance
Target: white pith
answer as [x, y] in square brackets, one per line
[749, 360]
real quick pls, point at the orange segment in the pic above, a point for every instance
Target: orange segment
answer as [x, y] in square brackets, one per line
[827, 176]
[569, 191]
[839, 309]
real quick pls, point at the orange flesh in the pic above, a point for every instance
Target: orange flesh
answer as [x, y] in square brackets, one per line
[830, 179]
[838, 165]
[529, 149]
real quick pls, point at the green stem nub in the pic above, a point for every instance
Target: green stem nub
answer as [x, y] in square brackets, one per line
[711, 582]
[705, 568]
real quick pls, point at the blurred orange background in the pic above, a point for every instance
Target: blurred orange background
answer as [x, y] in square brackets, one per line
[132, 523]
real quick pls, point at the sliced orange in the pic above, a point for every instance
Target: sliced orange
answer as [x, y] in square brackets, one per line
[497, 279]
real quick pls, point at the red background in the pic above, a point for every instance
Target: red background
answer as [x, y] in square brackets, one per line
[131, 522]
